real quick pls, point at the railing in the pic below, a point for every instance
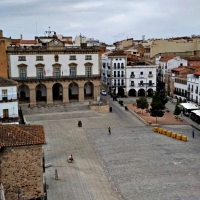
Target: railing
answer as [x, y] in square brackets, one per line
[55, 78]
[132, 84]
[150, 75]
[132, 76]
[141, 76]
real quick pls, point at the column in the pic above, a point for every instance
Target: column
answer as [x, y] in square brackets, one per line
[49, 96]
[32, 96]
[81, 94]
[65, 95]
[136, 93]
[96, 92]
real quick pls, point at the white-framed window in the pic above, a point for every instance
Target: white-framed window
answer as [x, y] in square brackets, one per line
[72, 57]
[39, 58]
[22, 58]
[88, 57]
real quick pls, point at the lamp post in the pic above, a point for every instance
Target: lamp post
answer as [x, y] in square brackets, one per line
[18, 192]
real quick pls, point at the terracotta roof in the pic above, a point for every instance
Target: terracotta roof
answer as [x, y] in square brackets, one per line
[28, 42]
[117, 53]
[15, 41]
[178, 69]
[166, 58]
[194, 63]
[21, 135]
[68, 42]
[192, 58]
[197, 73]
[197, 68]
[7, 82]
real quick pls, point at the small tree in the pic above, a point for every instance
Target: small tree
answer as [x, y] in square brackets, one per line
[142, 103]
[177, 111]
[157, 107]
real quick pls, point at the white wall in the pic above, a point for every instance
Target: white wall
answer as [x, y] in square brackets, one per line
[11, 92]
[12, 109]
[48, 61]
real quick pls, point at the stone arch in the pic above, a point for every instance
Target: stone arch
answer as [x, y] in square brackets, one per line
[23, 92]
[132, 93]
[73, 91]
[88, 90]
[150, 92]
[41, 92]
[121, 92]
[141, 92]
[57, 91]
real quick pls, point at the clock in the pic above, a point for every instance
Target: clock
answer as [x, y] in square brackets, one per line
[55, 42]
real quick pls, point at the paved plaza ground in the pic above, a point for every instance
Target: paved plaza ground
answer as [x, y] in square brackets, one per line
[133, 163]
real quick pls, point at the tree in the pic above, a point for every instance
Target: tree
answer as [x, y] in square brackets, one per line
[157, 106]
[142, 103]
[177, 111]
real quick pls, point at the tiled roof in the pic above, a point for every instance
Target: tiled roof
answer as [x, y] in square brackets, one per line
[166, 58]
[192, 58]
[194, 63]
[15, 41]
[197, 73]
[117, 53]
[196, 68]
[28, 42]
[178, 69]
[7, 82]
[68, 42]
[21, 135]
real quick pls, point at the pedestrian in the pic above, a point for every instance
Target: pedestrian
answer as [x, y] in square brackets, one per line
[193, 133]
[71, 159]
[109, 130]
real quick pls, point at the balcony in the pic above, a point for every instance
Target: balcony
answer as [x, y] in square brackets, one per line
[196, 91]
[150, 75]
[52, 78]
[141, 84]
[141, 76]
[132, 76]
[150, 84]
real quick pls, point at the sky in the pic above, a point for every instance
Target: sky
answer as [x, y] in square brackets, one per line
[106, 20]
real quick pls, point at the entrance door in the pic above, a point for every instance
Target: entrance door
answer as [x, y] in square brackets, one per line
[5, 113]
[38, 95]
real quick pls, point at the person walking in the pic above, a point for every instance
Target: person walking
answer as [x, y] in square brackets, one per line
[193, 133]
[109, 130]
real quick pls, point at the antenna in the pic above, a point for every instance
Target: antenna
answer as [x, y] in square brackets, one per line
[36, 29]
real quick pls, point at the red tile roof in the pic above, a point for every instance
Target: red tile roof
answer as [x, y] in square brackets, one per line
[68, 42]
[28, 42]
[192, 58]
[197, 73]
[117, 53]
[21, 135]
[178, 69]
[15, 41]
[194, 63]
[166, 58]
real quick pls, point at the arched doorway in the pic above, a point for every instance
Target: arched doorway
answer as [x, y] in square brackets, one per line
[73, 91]
[57, 91]
[23, 93]
[41, 92]
[180, 100]
[150, 92]
[141, 93]
[120, 92]
[88, 90]
[132, 93]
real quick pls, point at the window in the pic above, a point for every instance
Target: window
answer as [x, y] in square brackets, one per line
[141, 83]
[122, 73]
[132, 83]
[104, 65]
[150, 72]
[114, 73]
[40, 73]
[88, 71]
[122, 65]
[88, 57]
[122, 82]
[57, 72]
[115, 82]
[22, 58]
[132, 73]
[118, 65]
[114, 65]
[118, 74]
[5, 113]
[73, 72]
[39, 57]
[4, 95]
[72, 57]
[22, 74]
[141, 73]
[150, 82]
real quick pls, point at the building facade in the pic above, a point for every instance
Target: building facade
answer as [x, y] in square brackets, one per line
[8, 101]
[141, 80]
[51, 71]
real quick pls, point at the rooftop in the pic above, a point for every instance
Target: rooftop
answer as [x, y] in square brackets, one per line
[166, 58]
[7, 82]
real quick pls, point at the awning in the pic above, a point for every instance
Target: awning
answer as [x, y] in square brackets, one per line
[196, 112]
[189, 106]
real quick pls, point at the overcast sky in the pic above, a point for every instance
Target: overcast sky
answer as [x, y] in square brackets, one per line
[106, 20]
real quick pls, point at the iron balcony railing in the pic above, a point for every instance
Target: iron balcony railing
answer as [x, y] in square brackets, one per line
[55, 77]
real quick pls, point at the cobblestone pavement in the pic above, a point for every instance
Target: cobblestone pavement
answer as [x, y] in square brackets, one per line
[133, 162]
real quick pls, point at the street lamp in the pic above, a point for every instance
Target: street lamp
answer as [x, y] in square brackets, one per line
[18, 192]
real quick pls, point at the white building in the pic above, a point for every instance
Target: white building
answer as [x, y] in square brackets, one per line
[140, 80]
[114, 71]
[8, 101]
[193, 87]
[80, 39]
[167, 63]
[55, 72]
[92, 42]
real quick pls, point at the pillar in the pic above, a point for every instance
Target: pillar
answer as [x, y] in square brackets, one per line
[81, 94]
[32, 96]
[136, 93]
[96, 92]
[65, 94]
[49, 96]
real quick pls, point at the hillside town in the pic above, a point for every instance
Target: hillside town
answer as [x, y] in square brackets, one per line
[80, 77]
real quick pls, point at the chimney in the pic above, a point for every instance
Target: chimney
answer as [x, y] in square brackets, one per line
[1, 33]
[21, 36]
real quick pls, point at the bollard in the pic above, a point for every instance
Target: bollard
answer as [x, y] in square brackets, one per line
[184, 138]
[164, 132]
[178, 136]
[155, 129]
[169, 133]
[56, 174]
